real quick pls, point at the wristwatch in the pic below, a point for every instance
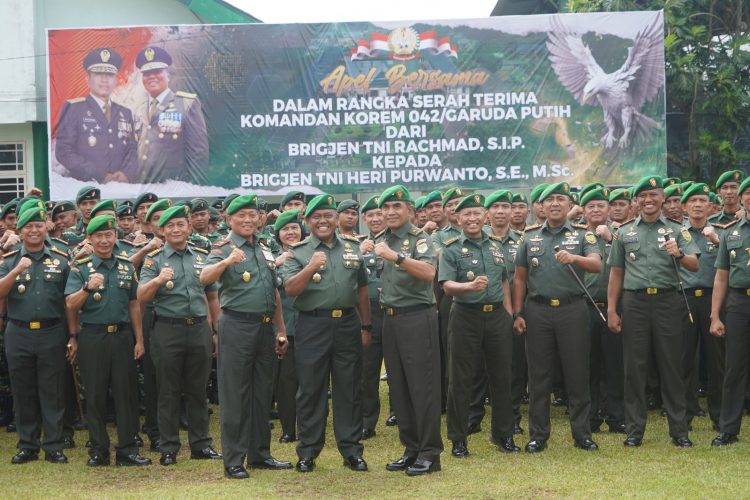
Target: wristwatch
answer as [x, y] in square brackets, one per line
[400, 258]
[367, 328]
[517, 315]
[682, 254]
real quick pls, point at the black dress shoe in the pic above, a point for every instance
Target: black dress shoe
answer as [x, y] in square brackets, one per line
[422, 466]
[206, 453]
[632, 442]
[525, 399]
[305, 465]
[682, 442]
[536, 446]
[287, 438]
[459, 449]
[98, 460]
[270, 464]
[183, 423]
[138, 440]
[559, 401]
[586, 444]
[474, 429]
[68, 443]
[402, 463]
[700, 413]
[356, 464]
[169, 458]
[724, 439]
[618, 428]
[155, 445]
[24, 456]
[236, 472]
[134, 459]
[517, 429]
[391, 421]
[506, 445]
[56, 457]
[11, 427]
[367, 434]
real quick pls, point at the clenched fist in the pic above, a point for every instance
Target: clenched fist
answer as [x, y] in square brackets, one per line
[96, 280]
[236, 256]
[166, 274]
[23, 264]
[318, 260]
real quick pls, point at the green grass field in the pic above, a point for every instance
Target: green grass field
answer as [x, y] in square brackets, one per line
[657, 469]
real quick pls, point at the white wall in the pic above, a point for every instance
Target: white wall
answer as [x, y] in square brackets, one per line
[17, 62]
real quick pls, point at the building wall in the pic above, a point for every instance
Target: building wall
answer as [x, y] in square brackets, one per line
[17, 62]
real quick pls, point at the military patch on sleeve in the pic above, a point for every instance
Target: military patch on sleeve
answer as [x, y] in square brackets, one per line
[148, 263]
[686, 235]
[422, 246]
[590, 237]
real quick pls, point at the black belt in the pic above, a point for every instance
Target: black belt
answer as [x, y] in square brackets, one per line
[35, 325]
[653, 290]
[109, 328]
[256, 317]
[395, 311]
[329, 313]
[554, 301]
[487, 308]
[181, 321]
[741, 291]
[699, 292]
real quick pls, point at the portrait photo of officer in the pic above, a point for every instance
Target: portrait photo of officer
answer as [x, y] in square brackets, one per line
[94, 134]
[170, 126]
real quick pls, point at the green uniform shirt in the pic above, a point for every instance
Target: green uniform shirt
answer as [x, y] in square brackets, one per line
[120, 283]
[124, 248]
[722, 218]
[373, 279]
[546, 276]
[510, 243]
[733, 253]
[443, 234]
[336, 284]
[38, 293]
[463, 260]
[287, 305]
[249, 286]
[186, 298]
[200, 241]
[596, 283]
[399, 288]
[636, 249]
[704, 277]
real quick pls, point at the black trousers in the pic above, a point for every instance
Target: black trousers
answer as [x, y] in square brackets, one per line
[605, 359]
[285, 389]
[411, 348]
[150, 386]
[737, 362]
[37, 368]
[372, 362]
[648, 322]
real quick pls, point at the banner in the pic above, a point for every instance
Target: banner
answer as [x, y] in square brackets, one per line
[503, 102]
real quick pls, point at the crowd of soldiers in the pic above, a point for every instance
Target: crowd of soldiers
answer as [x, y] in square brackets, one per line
[606, 302]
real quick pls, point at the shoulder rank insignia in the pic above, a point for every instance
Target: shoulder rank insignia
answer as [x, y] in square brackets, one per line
[11, 253]
[450, 241]
[188, 95]
[155, 252]
[381, 233]
[415, 231]
[349, 237]
[122, 257]
[531, 228]
[76, 100]
[83, 260]
[200, 249]
[300, 243]
[580, 226]
[220, 243]
[58, 251]
[493, 237]
[724, 226]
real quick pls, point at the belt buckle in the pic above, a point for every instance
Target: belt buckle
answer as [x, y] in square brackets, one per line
[699, 293]
[554, 302]
[390, 312]
[189, 321]
[747, 291]
[111, 328]
[337, 313]
[35, 325]
[266, 318]
[488, 308]
[652, 291]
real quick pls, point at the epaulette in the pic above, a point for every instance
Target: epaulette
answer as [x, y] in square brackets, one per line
[450, 241]
[121, 257]
[300, 243]
[59, 240]
[349, 237]
[83, 260]
[361, 237]
[724, 226]
[519, 233]
[11, 253]
[531, 228]
[675, 220]
[415, 231]
[76, 100]
[627, 222]
[220, 243]
[381, 233]
[580, 226]
[58, 251]
[130, 243]
[199, 249]
[155, 252]
[180, 93]
[493, 237]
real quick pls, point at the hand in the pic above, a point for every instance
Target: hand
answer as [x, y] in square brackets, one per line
[282, 344]
[429, 226]
[235, 257]
[603, 232]
[23, 264]
[72, 351]
[671, 247]
[35, 192]
[12, 240]
[318, 260]
[366, 246]
[615, 225]
[479, 284]
[154, 244]
[118, 176]
[711, 235]
[96, 280]
[366, 339]
[717, 328]
[84, 249]
[273, 214]
[166, 274]
[139, 238]
[50, 225]
[614, 322]
[214, 345]
[519, 326]
[563, 257]
[384, 251]
[282, 258]
[575, 212]
[740, 214]
[138, 351]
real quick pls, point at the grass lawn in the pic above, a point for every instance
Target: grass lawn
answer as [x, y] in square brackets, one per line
[657, 469]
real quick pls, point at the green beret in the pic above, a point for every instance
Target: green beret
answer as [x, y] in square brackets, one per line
[557, 188]
[538, 189]
[285, 218]
[471, 201]
[670, 181]
[419, 203]
[745, 184]
[588, 187]
[395, 193]
[198, 205]
[9, 209]
[124, 211]
[501, 195]
[103, 206]
[100, 223]
[730, 176]
[601, 193]
[144, 198]
[291, 196]
[713, 198]
[158, 206]
[176, 212]
[88, 193]
[619, 194]
[321, 202]
[685, 185]
[452, 194]
[433, 196]
[27, 203]
[348, 204]
[370, 204]
[228, 200]
[519, 198]
[647, 184]
[62, 207]
[696, 188]
[36, 214]
[244, 201]
[673, 190]
[214, 214]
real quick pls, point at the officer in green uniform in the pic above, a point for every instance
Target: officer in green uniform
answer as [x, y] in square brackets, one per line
[64, 215]
[32, 280]
[348, 218]
[125, 220]
[140, 208]
[326, 276]
[181, 339]
[411, 345]
[472, 272]
[537, 211]
[555, 318]
[433, 207]
[727, 187]
[732, 289]
[619, 206]
[643, 270]
[86, 199]
[519, 211]
[200, 216]
[245, 271]
[672, 207]
[101, 289]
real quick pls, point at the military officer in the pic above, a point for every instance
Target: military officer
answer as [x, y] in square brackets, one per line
[727, 186]
[140, 208]
[181, 340]
[536, 206]
[555, 318]
[33, 281]
[101, 290]
[169, 126]
[64, 215]
[450, 229]
[199, 219]
[125, 220]
[410, 333]
[246, 274]
[86, 199]
[348, 217]
[472, 271]
[433, 207]
[732, 289]
[94, 137]
[619, 206]
[420, 214]
[294, 200]
[641, 265]
[519, 211]
[672, 207]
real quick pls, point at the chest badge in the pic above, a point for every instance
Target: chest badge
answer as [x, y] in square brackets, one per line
[317, 277]
[22, 289]
[246, 277]
[470, 276]
[97, 297]
[534, 262]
